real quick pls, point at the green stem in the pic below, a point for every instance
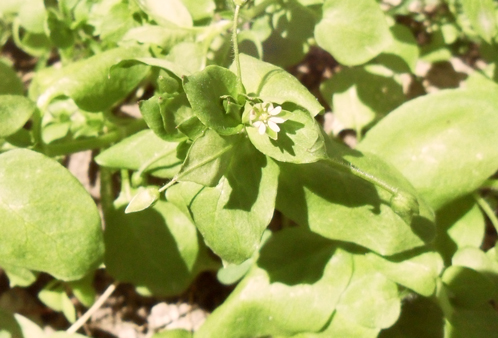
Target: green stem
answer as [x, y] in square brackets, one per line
[95, 142]
[153, 160]
[402, 202]
[350, 168]
[106, 193]
[125, 183]
[169, 184]
[36, 129]
[240, 86]
[486, 209]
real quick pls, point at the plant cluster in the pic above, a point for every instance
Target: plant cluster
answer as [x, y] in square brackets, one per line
[384, 240]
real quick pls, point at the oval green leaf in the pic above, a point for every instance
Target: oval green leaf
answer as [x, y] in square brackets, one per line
[146, 152]
[273, 84]
[204, 92]
[338, 205]
[11, 83]
[143, 199]
[15, 111]
[300, 139]
[444, 143]
[293, 289]
[233, 215]
[354, 32]
[49, 222]
[91, 84]
[158, 248]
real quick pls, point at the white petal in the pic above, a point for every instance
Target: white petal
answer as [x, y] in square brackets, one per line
[273, 126]
[276, 119]
[261, 127]
[275, 111]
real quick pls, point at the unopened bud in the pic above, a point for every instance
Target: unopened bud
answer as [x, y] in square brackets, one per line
[144, 198]
[405, 205]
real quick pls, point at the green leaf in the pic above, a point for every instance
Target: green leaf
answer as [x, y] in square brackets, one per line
[83, 290]
[291, 30]
[32, 15]
[10, 6]
[460, 224]
[11, 83]
[208, 158]
[200, 9]
[358, 97]
[468, 288]
[167, 12]
[370, 299]
[176, 69]
[54, 296]
[232, 273]
[59, 32]
[163, 114]
[116, 22]
[204, 92]
[341, 326]
[90, 83]
[15, 111]
[476, 259]
[233, 215]
[35, 44]
[146, 152]
[158, 248]
[164, 37]
[417, 138]
[188, 55]
[49, 222]
[273, 84]
[300, 139]
[417, 272]
[19, 276]
[17, 326]
[293, 288]
[143, 199]
[402, 55]
[354, 32]
[482, 16]
[320, 197]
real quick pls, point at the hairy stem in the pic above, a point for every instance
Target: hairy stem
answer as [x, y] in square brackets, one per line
[240, 86]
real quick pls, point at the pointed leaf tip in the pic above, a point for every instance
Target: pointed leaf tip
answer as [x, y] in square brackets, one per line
[143, 199]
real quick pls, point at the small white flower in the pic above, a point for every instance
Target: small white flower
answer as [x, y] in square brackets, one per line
[263, 116]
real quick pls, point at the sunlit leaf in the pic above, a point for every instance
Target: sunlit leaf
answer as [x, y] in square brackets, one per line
[443, 143]
[49, 222]
[354, 32]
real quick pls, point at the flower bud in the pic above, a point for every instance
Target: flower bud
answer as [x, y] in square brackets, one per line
[144, 198]
[405, 205]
